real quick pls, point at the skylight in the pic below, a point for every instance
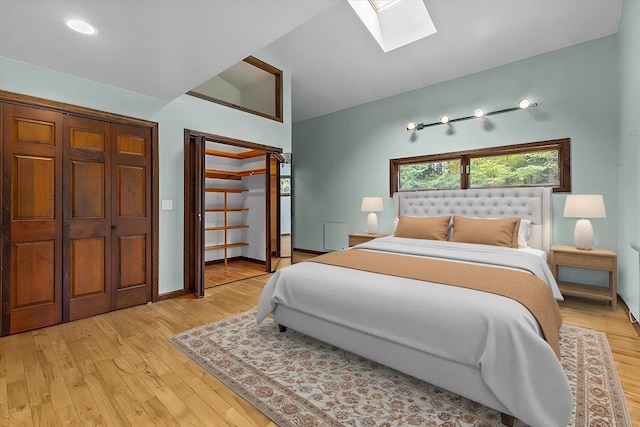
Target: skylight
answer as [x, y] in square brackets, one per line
[380, 5]
[394, 23]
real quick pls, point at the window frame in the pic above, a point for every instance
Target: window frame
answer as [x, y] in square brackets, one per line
[277, 73]
[563, 146]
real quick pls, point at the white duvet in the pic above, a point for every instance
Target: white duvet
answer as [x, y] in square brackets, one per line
[493, 334]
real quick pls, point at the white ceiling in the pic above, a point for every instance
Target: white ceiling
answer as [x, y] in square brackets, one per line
[163, 48]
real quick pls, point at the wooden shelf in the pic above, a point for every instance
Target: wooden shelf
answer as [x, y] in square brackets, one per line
[228, 227]
[226, 210]
[241, 155]
[225, 246]
[235, 175]
[225, 190]
[601, 293]
[220, 174]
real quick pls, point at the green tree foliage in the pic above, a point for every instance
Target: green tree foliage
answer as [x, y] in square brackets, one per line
[434, 175]
[523, 169]
[285, 185]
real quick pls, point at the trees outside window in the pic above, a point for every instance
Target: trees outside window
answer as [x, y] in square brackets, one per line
[545, 163]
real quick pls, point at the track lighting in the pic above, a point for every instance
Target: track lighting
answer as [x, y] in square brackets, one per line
[478, 113]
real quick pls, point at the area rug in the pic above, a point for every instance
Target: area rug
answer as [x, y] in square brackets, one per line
[298, 381]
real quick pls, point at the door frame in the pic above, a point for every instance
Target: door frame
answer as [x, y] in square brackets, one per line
[32, 101]
[194, 202]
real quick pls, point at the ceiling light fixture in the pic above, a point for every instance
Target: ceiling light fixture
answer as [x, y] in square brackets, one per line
[478, 113]
[81, 27]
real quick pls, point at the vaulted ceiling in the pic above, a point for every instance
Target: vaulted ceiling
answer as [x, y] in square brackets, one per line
[164, 48]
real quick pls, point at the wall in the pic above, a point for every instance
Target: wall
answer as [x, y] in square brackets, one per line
[172, 117]
[341, 157]
[629, 156]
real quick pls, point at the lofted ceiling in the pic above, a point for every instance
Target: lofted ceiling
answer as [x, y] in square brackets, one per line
[164, 48]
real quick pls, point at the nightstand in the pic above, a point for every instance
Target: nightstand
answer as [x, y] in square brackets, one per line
[594, 259]
[357, 238]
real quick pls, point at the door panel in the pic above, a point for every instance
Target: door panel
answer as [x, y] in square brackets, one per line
[87, 231]
[32, 162]
[33, 184]
[131, 221]
[132, 261]
[131, 191]
[33, 262]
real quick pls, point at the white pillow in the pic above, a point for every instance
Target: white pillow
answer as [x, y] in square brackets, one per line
[524, 233]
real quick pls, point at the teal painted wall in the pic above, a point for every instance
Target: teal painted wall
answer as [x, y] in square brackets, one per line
[341, 157]
[172, 118]
[629, 155]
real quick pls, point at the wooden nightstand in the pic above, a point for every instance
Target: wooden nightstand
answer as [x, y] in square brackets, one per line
[357, 238]
[595, 259]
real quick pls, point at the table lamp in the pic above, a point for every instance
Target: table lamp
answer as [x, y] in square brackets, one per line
[372, 205]
[584, 206]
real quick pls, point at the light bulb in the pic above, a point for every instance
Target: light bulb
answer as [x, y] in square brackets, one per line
[444, 119]
[411, 126]
[524, 103]
[479, 112]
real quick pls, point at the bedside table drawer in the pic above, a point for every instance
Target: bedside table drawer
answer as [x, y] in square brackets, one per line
[584, 260]
[357, 238]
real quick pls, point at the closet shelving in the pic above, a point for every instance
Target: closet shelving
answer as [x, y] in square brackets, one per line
[223, 182]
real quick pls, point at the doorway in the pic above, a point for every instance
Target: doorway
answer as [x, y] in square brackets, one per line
[232, 210]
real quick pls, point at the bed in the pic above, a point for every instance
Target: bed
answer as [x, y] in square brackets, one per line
[480, 345]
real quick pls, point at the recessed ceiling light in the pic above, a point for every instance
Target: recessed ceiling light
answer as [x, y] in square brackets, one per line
[81, 26]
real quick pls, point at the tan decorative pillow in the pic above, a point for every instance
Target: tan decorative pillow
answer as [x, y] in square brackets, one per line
[428, 227]
[496, 232]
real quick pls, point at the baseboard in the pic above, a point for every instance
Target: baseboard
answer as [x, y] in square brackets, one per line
[174, 294]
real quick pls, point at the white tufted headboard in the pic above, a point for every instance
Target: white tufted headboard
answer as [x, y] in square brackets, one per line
[532, 203]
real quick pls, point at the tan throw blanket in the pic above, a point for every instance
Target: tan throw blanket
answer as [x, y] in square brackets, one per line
[526, 288]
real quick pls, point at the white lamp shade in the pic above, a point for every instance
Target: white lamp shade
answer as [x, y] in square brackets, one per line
[584, 206]
[371, 204]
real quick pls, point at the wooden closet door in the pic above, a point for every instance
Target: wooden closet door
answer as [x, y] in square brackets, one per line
[32, 205]
[87, 286]
[131, 215]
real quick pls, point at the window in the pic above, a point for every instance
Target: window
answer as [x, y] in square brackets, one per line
[444, 174]
[285, 185]
[251, 85]
[545, 163]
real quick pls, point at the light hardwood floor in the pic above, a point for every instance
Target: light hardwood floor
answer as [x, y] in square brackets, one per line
[119, 369]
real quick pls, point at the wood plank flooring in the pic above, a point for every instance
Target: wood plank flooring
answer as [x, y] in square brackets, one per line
[219, 274]
[118, 369]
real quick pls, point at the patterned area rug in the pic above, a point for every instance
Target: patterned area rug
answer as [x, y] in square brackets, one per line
[298, 381]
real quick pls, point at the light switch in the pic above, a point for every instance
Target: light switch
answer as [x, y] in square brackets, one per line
[167, 205]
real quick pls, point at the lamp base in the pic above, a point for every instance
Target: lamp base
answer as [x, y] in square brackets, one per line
[583, 234]
[372, 223]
